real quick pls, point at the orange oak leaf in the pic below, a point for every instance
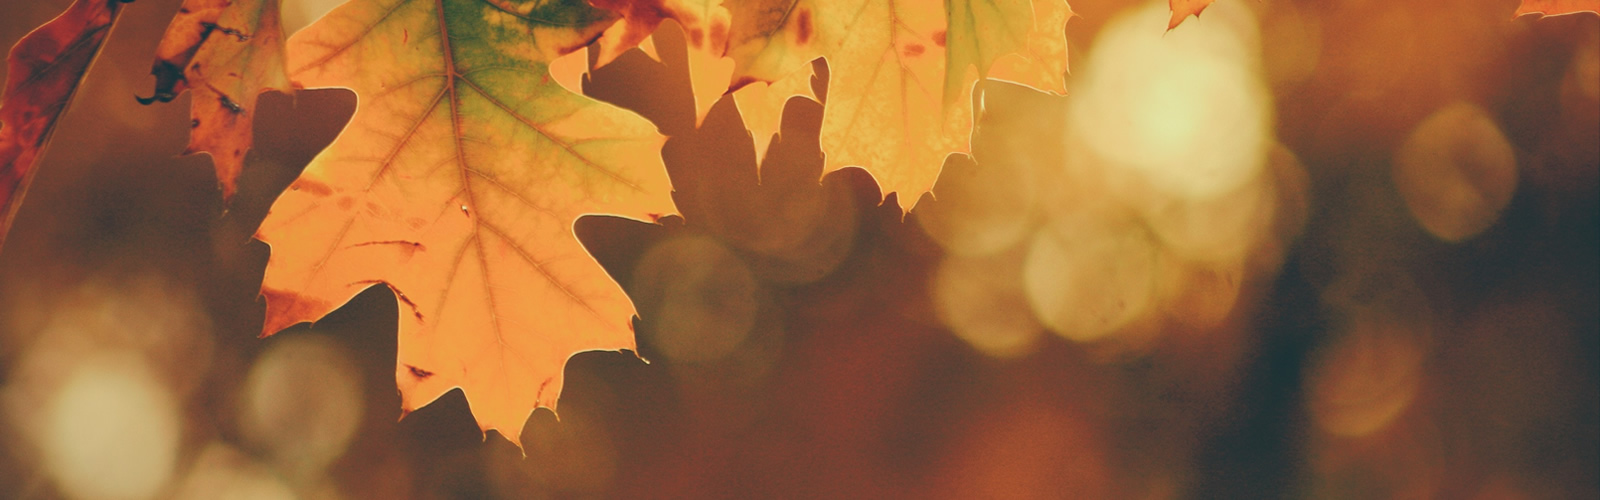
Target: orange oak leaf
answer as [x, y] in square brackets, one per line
[902, 71]
[1182, 9]
[1557, 7]
[228, 52]
[456, 185]
[44, 70]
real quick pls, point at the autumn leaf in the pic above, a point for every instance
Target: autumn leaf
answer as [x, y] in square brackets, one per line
[902, 71]
[1557, 7]
[228, 52]
[705, 26]
[1182, 9]
[44, 70]
[761, 105]
[456, 184]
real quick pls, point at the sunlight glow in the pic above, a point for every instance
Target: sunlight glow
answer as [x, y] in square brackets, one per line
[224, 472]
[112, 430]
[983, 302]
[302, 403]
[1187, 109]
[1085, 281]
[700, 298]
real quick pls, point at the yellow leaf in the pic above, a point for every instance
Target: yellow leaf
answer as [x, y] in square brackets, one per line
[705, 28]
[901, 71]
[228, 52]
[456, 184]
[761, 105]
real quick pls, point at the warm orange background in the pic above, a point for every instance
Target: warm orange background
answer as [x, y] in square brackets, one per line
[1364, 357]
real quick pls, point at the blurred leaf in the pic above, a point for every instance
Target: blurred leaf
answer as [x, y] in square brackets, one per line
[44, 71]
[228, 52]
[1557, 7]
[456, 184]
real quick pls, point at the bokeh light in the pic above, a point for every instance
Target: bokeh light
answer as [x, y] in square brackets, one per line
[1372, 367]
[1198, 295]
[1584, 73]
[97, 390]
[301, 403]
[1456, 172]
[573, 457]
[1086, 278]
[1187, 109]
[112, 430]
[1291, 42]
[223, 472]
[983, 302]
[1220, 229]
[1365, 379]
[699, 297]
[981, 209]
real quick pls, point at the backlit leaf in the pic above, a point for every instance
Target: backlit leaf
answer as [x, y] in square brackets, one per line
[44, 70]
[456, 184]
[705, 28]
[228, 52]
[902, 71]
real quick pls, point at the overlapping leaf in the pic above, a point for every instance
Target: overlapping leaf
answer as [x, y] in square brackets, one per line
[761, 105]
[228, 52]
[902, 71]
[44, 70]
[705, 25]
[456, 184]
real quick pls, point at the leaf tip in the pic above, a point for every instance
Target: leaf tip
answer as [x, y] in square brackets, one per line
[286, 309]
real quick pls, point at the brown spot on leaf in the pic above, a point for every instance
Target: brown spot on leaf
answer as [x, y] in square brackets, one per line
[719, 33]
[418, 372]
[539, 396]
[803, 29]
[741, 82]
[914, 50]
[401, 296]
[228, 103]
[410, 245]
[939, 38]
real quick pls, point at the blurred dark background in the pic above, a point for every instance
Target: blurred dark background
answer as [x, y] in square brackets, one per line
[1290, 249]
